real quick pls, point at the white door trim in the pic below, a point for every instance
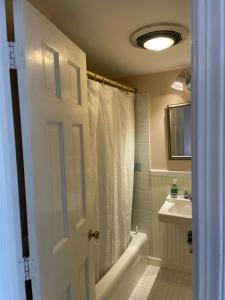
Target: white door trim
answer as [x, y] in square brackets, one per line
[11, 268]
[208, 78]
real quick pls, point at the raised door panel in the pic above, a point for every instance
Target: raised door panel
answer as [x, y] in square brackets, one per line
[58, 191]
[83, 281]
[74, 82]
[51, 70]
[78, 173]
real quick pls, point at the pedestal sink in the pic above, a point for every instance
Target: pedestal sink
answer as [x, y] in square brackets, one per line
[176, 211]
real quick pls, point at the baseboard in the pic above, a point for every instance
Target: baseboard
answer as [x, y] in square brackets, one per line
[176, 267]
[153, 261]
[158, 262]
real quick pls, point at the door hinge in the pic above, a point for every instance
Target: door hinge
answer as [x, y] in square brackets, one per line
[12, 55]
[26, 262]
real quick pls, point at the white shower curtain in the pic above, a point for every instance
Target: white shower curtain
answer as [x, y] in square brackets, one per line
[111, 118]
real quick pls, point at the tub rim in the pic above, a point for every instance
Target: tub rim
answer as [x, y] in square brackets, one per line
[112, 278]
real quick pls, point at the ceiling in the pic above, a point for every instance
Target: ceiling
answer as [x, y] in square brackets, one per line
[102, 29]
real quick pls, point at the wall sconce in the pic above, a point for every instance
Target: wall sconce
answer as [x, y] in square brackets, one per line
[183, 80]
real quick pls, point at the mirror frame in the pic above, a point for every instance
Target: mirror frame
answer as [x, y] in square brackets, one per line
[173, 157]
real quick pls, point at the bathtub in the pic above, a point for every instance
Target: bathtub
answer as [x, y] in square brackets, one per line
[119, 282]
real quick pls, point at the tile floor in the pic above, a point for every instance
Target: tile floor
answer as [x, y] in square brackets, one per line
[163, 284]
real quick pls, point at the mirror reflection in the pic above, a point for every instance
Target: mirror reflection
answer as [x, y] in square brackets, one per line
[179, 123]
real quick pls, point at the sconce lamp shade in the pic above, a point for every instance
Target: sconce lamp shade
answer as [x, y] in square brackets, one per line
[183, 80]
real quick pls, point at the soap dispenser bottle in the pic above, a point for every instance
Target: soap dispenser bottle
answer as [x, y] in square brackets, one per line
[174, 189]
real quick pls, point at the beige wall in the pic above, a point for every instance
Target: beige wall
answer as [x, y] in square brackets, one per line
[160, 94]
[43, 6]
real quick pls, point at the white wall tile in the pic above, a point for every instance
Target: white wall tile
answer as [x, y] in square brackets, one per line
[144, 127]
[142, 147]
[142, 111]
[142, 138]
[143, 157]
[137, 126]
[142, 181]
[142, 196]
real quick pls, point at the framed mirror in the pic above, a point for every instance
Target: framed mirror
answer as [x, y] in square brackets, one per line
[179, 131]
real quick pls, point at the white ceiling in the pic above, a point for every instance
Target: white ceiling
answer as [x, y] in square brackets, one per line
[102, 28]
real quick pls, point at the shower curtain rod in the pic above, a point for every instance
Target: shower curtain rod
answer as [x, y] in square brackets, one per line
[110, 82]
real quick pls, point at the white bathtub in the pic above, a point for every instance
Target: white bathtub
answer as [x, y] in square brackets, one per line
[120, 280]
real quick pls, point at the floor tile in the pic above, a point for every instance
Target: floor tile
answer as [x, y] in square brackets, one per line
[163, 284]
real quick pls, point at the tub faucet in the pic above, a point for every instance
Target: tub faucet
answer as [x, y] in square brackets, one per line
[136, 230]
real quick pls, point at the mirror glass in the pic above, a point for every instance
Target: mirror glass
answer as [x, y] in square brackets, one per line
[179, 123]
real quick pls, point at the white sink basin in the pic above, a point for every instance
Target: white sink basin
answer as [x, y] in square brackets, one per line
[176, 211]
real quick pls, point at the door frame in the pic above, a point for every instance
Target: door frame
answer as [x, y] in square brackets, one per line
[208, 77]
[12, 283]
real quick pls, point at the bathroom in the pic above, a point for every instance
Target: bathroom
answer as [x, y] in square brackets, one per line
[103, 141]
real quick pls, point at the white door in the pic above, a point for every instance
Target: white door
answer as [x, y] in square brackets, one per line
[53, 103]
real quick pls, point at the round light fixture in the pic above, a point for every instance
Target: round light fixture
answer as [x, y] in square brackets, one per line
[158, 37]
[158, 43]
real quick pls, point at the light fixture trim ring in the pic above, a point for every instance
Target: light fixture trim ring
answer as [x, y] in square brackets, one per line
[176, 32]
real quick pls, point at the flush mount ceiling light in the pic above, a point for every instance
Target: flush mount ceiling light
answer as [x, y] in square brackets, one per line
[158, 37]
[182, 80]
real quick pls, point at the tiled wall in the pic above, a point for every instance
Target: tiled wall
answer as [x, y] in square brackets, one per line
[142, 204]
[166, 241]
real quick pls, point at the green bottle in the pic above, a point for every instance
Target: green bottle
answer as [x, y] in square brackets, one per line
[174, 189]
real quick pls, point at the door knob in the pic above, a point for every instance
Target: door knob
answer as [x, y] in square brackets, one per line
[93, 234]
